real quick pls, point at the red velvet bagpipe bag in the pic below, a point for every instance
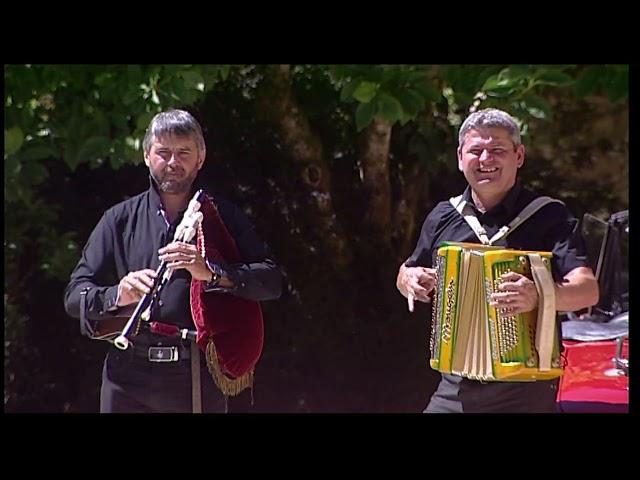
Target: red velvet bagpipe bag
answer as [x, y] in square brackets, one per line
[230, 329]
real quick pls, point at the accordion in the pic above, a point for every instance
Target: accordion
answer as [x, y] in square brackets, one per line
[471, 338]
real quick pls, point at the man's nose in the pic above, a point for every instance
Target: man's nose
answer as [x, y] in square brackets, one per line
[484, 156]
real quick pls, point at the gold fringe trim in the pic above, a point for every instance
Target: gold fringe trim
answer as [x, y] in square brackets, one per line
[228, 386]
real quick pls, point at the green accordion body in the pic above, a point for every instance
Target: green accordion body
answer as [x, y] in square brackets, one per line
[471, 338]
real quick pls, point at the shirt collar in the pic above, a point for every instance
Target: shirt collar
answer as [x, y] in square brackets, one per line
[508, 203]
[154, 194]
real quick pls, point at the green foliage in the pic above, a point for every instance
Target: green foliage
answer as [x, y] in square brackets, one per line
[612, 79]
[517, 89]
[396, 93]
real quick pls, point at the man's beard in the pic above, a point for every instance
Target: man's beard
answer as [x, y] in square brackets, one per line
[173, 185]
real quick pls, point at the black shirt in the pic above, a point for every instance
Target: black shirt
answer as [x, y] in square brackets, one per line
[551, 229]
[127, 238]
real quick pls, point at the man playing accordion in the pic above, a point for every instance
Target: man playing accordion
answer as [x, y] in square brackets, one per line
[490, 153]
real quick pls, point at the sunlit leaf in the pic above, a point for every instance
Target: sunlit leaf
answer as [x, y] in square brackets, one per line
[365, 91]
[13, 139]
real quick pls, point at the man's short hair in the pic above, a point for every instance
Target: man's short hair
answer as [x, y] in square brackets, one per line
[490, 118]
[173, 122]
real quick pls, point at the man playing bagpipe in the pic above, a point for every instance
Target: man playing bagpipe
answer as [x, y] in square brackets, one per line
[173, 278]
[495, 210]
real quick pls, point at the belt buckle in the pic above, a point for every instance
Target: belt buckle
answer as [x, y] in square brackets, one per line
[163, 354]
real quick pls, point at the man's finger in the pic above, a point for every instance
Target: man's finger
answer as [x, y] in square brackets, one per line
[140, 286]
[511, 276]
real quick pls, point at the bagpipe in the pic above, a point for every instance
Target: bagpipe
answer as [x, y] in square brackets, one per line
[228, 328]
[185, 232]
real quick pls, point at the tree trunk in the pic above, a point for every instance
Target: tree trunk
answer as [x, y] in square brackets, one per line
[405, 221]
[374, 161]
[278, 104]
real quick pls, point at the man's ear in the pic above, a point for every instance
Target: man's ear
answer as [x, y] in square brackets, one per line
[146, 158]
[459, 152]
[201, 157]
[520, 151]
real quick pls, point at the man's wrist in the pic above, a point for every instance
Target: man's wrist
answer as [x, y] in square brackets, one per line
[216, 274]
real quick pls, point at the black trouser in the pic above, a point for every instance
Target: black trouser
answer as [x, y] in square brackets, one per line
[461, 395]
[133, 384]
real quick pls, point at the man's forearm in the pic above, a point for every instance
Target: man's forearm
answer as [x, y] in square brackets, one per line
[253, 281]
[579, 290]
[101, 301]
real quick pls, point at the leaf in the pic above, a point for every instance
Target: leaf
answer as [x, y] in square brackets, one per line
[193, 79]
[537, 107]
[587, 82]
[346, 94]
[428, 91]
[389, 108]
[13, 139]
[365, 91]
[144, 120]
[515, 72]
[364, 114]
[37, 152]
[484, 75]
[558, 79]
[412, 103]
[495, 83]
[93, 148]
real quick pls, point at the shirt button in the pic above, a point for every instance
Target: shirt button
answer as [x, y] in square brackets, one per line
[160, 303]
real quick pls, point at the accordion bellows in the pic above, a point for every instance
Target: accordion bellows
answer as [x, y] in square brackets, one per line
[471, 338]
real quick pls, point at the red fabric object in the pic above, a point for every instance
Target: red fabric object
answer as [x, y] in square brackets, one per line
[234, 324]
[164, 329]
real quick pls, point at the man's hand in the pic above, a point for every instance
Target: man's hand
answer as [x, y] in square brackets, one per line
[185, 255]
[416, 283]
[517, 294]
[134, 285]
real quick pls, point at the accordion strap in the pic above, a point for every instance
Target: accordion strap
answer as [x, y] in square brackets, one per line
[469, 215]
[546, 324]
